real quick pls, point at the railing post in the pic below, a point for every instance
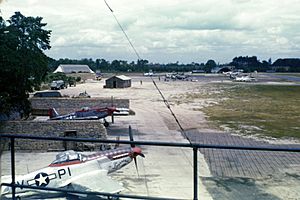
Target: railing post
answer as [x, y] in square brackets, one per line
[195, 156]
[112, 118]
[112, 115]
[12, 159]
[130, 132]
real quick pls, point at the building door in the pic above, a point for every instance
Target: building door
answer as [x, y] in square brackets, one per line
[114, 84]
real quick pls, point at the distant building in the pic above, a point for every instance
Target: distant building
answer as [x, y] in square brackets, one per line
[69, 69]
[118, 82]
[221, 69]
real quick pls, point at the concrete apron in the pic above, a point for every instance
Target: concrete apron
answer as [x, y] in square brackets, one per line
[166, 171]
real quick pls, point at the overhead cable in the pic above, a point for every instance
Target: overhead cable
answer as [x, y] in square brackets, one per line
[112, 12]
[159, 91]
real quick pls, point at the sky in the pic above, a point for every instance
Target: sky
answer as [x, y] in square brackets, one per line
[167, 30]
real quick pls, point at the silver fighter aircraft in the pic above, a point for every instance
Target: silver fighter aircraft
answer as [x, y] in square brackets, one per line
[81, 172]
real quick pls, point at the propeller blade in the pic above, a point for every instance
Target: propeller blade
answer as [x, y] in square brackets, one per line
[131, 137]
[136, 167]
[136, 151]
[142, 155]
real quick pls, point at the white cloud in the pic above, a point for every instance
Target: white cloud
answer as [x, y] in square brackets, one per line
[169, 30]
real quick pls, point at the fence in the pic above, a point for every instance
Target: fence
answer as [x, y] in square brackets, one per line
[195, 148]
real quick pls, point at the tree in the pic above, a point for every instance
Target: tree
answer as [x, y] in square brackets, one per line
[248, 64]
[142, 65]
[23, 65]
[293, 64]
[210, 64]
[115, 65]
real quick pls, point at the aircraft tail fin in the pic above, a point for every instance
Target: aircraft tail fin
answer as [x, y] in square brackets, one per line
[52, 113]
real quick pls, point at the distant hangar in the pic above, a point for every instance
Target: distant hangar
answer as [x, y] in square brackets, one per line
[118, 82]
[69, 69]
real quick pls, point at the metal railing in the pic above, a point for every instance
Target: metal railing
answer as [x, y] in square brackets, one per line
[193, 146]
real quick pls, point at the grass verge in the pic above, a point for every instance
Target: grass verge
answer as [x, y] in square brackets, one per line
[269, 110]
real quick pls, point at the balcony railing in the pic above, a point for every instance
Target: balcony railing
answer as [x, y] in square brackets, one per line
[194, 147]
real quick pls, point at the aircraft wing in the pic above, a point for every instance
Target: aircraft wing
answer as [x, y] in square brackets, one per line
[95, 181]
[87, 118]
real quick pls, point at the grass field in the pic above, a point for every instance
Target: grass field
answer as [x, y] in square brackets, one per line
[258, 109]
[268, 110]
[289, 74]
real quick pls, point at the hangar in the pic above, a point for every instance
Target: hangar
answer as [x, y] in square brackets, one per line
[118, 82]
[69, 69]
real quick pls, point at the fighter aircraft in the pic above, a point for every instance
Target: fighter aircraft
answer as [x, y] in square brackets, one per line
[85, 113]
[80, 172]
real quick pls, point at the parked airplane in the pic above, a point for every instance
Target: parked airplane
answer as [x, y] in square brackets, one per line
[244, 79]
[80, 172]
[150, 73]
[227, 73]
[85, 113]
[232, 74]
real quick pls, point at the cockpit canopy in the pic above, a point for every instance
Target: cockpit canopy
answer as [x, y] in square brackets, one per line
[85, 109]
[68, 156]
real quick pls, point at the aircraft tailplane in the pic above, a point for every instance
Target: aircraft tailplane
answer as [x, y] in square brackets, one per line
[53, 113]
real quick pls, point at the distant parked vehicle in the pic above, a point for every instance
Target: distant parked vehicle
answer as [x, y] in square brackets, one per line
[72, 81]
[57, 85]
[47, 94]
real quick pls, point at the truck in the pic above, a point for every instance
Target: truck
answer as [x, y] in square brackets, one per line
[56, 85]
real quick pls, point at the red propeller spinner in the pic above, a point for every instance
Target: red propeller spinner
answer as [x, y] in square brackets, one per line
[137, 151]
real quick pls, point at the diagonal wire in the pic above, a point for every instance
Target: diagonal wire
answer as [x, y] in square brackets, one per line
[112, 12]
[159, 91]
[171, 111]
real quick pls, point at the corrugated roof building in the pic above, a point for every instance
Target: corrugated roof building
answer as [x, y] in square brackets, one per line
[118, 82]
[69, 69]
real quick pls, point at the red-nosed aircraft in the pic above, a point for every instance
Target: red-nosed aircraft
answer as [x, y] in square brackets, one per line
[85, 113]
[80, 172]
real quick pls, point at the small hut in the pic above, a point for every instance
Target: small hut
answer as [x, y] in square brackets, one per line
[118, 82]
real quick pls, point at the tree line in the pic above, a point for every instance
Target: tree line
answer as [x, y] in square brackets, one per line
[246, 63]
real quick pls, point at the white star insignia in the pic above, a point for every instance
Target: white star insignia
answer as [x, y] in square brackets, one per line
[42, 180]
